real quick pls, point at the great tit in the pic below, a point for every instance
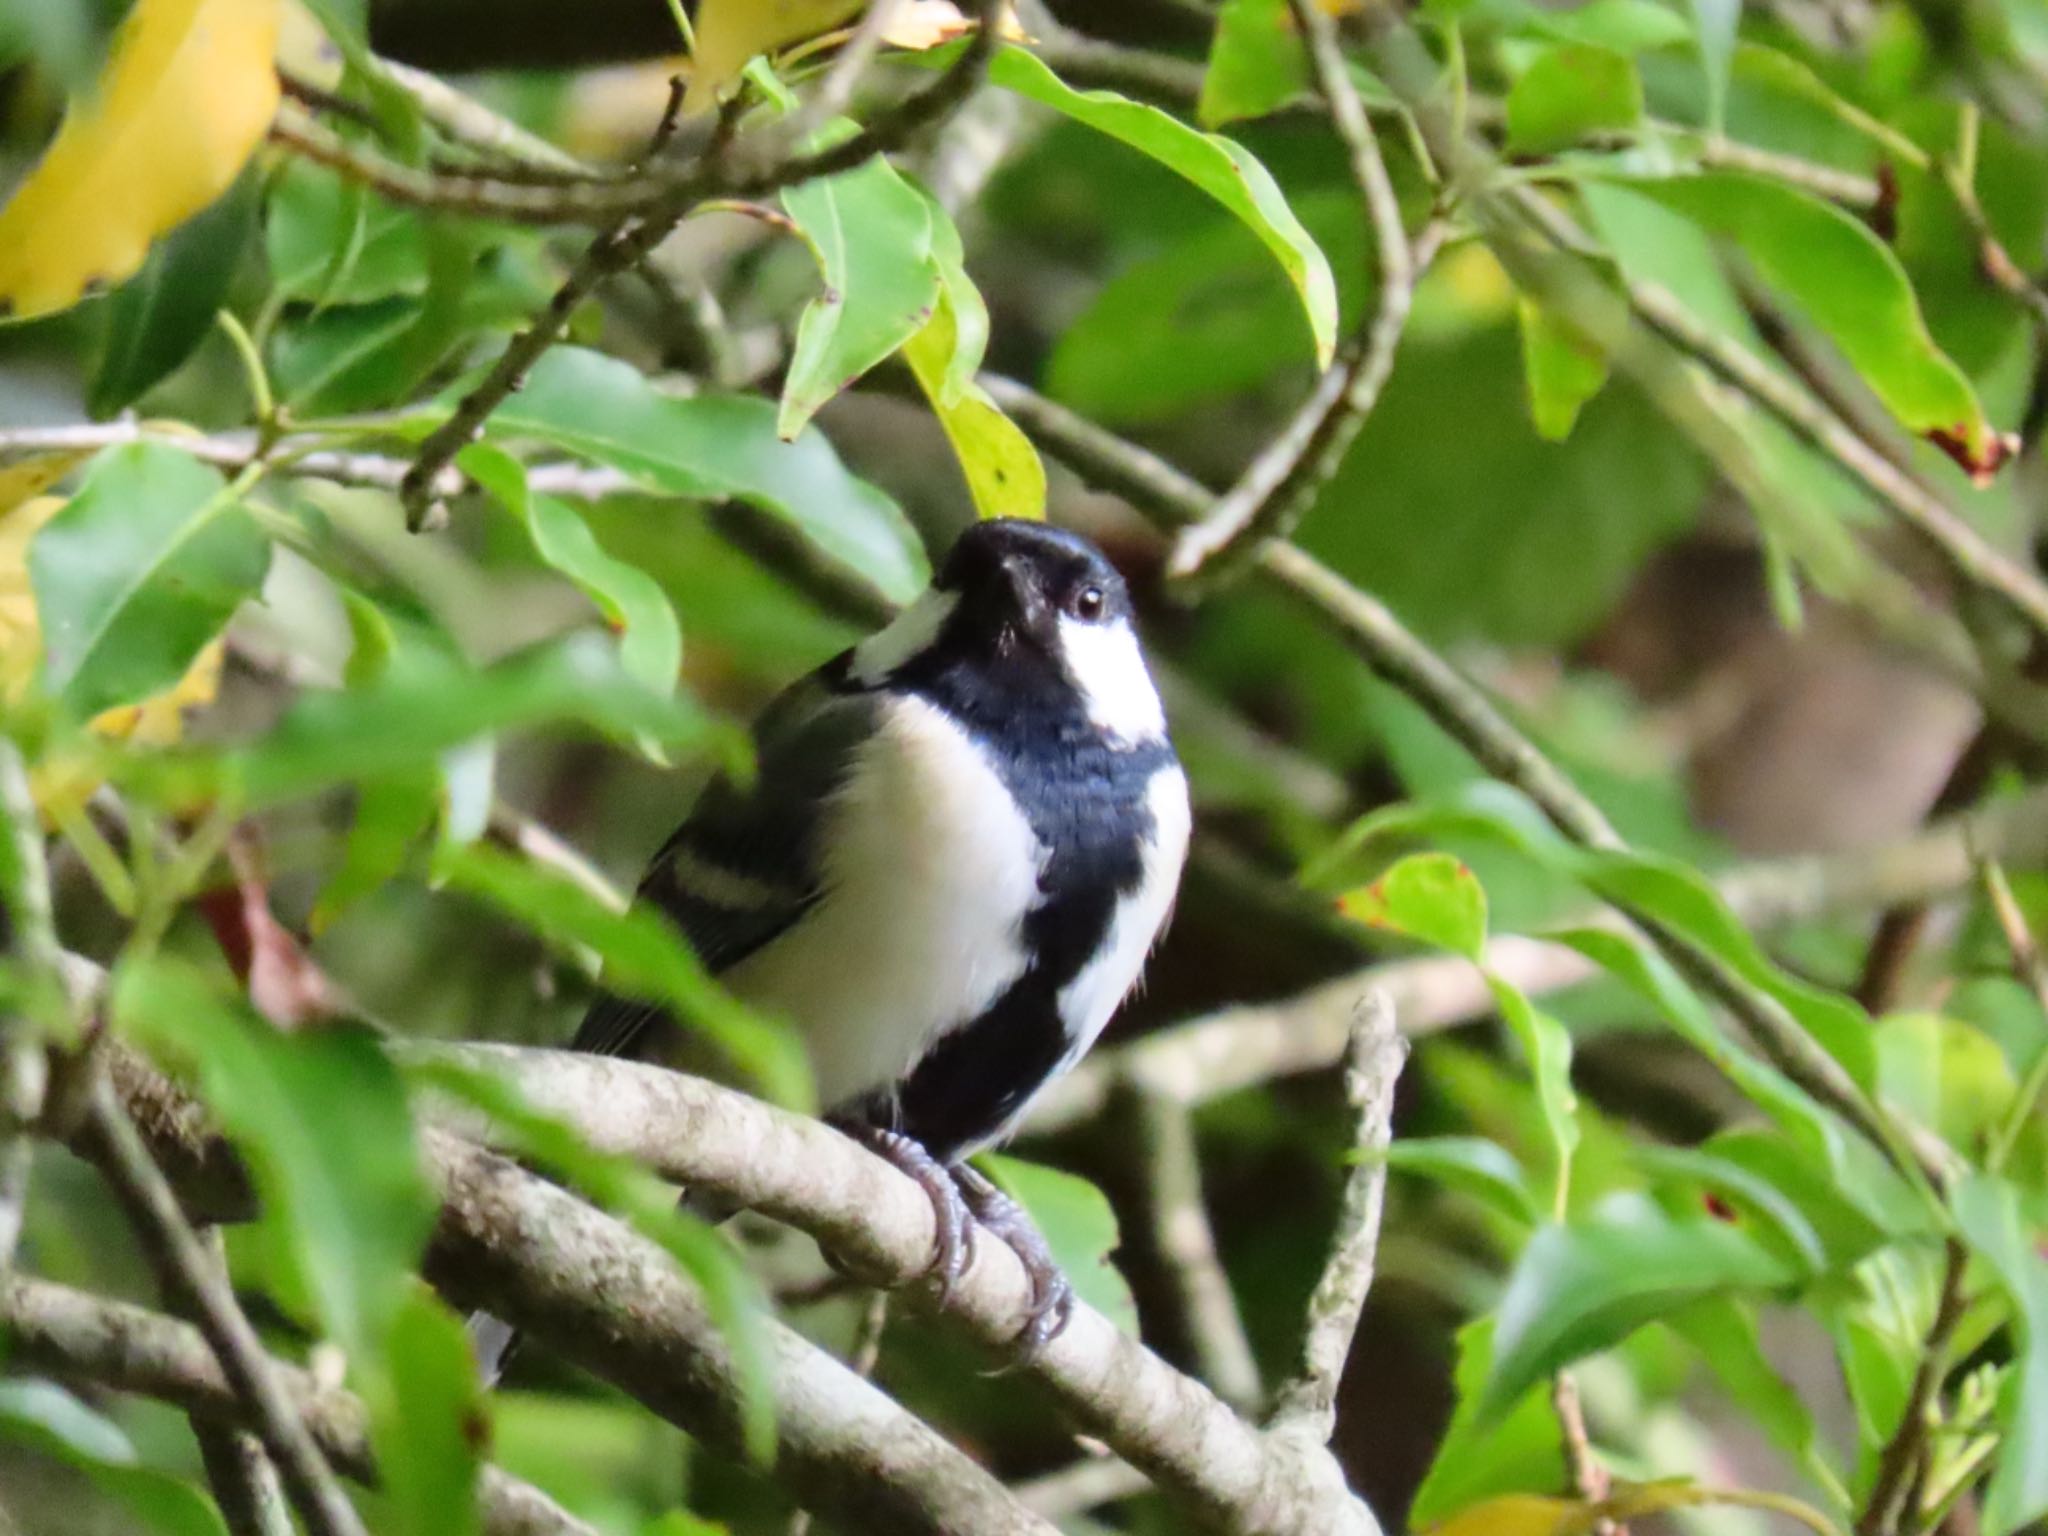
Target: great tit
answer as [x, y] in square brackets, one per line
[962, 839]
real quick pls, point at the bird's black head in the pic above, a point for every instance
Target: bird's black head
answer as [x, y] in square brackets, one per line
[1024, 583]
[1028, 628]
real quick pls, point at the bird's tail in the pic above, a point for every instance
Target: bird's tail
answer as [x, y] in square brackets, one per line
[493, 1340]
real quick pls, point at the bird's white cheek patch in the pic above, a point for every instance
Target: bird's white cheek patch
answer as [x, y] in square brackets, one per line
[1108, 668]
[912, 631]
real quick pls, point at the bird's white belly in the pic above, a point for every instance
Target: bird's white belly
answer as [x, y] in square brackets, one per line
[929, 869]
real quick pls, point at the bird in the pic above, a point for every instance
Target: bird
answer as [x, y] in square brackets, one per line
[962, 839]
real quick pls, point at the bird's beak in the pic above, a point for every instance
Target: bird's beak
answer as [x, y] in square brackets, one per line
[1034, 615]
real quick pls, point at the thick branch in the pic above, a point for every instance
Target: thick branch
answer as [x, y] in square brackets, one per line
[609, 1300]
[82, 1338]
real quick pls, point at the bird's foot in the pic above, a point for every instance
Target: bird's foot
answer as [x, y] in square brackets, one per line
[953, 1225]
[1052, 1294]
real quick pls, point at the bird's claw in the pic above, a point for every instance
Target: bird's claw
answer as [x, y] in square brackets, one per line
[1052, 1294]
[952, 1221]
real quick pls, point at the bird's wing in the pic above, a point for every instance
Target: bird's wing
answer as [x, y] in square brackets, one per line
[746, 865]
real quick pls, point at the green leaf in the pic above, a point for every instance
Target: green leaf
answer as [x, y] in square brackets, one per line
[144, 566]
[1625, 26]
[1652, 885]
[391, 814]
[1519, 1451]
[1224, 170]
[644, 957]
[1078, 1225]
[1852, 1208]
[1565, 368]
[1472, 1165]
[1585, 1287]
[1570, 92]
[331, 242]
[650, 640]
[1197, 319]
[1547, 1045]
[158, 317]
[1256, 62]
[716, 447]
[1631, 960]
[1847, 281]
[736, 1305]
[49, 1421]
[1946, 1075]
[872, 234]
[1997, 1229]
[322, 1118]
[426, 702]
[1427, 896]
[427, 1421]
[1443, 547]
[1001, 466]
[1715, 24]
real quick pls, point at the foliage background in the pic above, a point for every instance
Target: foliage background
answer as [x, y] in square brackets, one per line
[1741, 644]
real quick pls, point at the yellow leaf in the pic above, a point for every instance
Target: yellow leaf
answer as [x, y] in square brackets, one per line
[1516, 1514]
[187, 95]
[31, 477]
[1003, 470]
[730, 32]
[65, 782]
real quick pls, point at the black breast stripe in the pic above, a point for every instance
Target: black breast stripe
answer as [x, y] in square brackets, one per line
[1086, 800]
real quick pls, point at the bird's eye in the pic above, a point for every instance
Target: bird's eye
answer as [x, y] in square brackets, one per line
[1090, 604]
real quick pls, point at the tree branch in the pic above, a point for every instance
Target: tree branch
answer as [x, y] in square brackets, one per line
[610, 1301]
[1307, 1405]
[1187, 1248]
[108, 1140]
[1370, 628]
[1278, 487]
[82, 1338]
[742, 172]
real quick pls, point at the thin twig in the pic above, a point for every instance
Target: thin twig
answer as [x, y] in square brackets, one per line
[1887, 1505]
[77, 1337]
[1240, 1046]
[466, 121]
[1973, 560]
[2032, 972]
[242, 1476]
[1273, 493]
[835, 92]
[472, 194]
[111, 1142]
[1187, 1248]
[1308, 1403]
[644, 226]
[1590, 1477]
